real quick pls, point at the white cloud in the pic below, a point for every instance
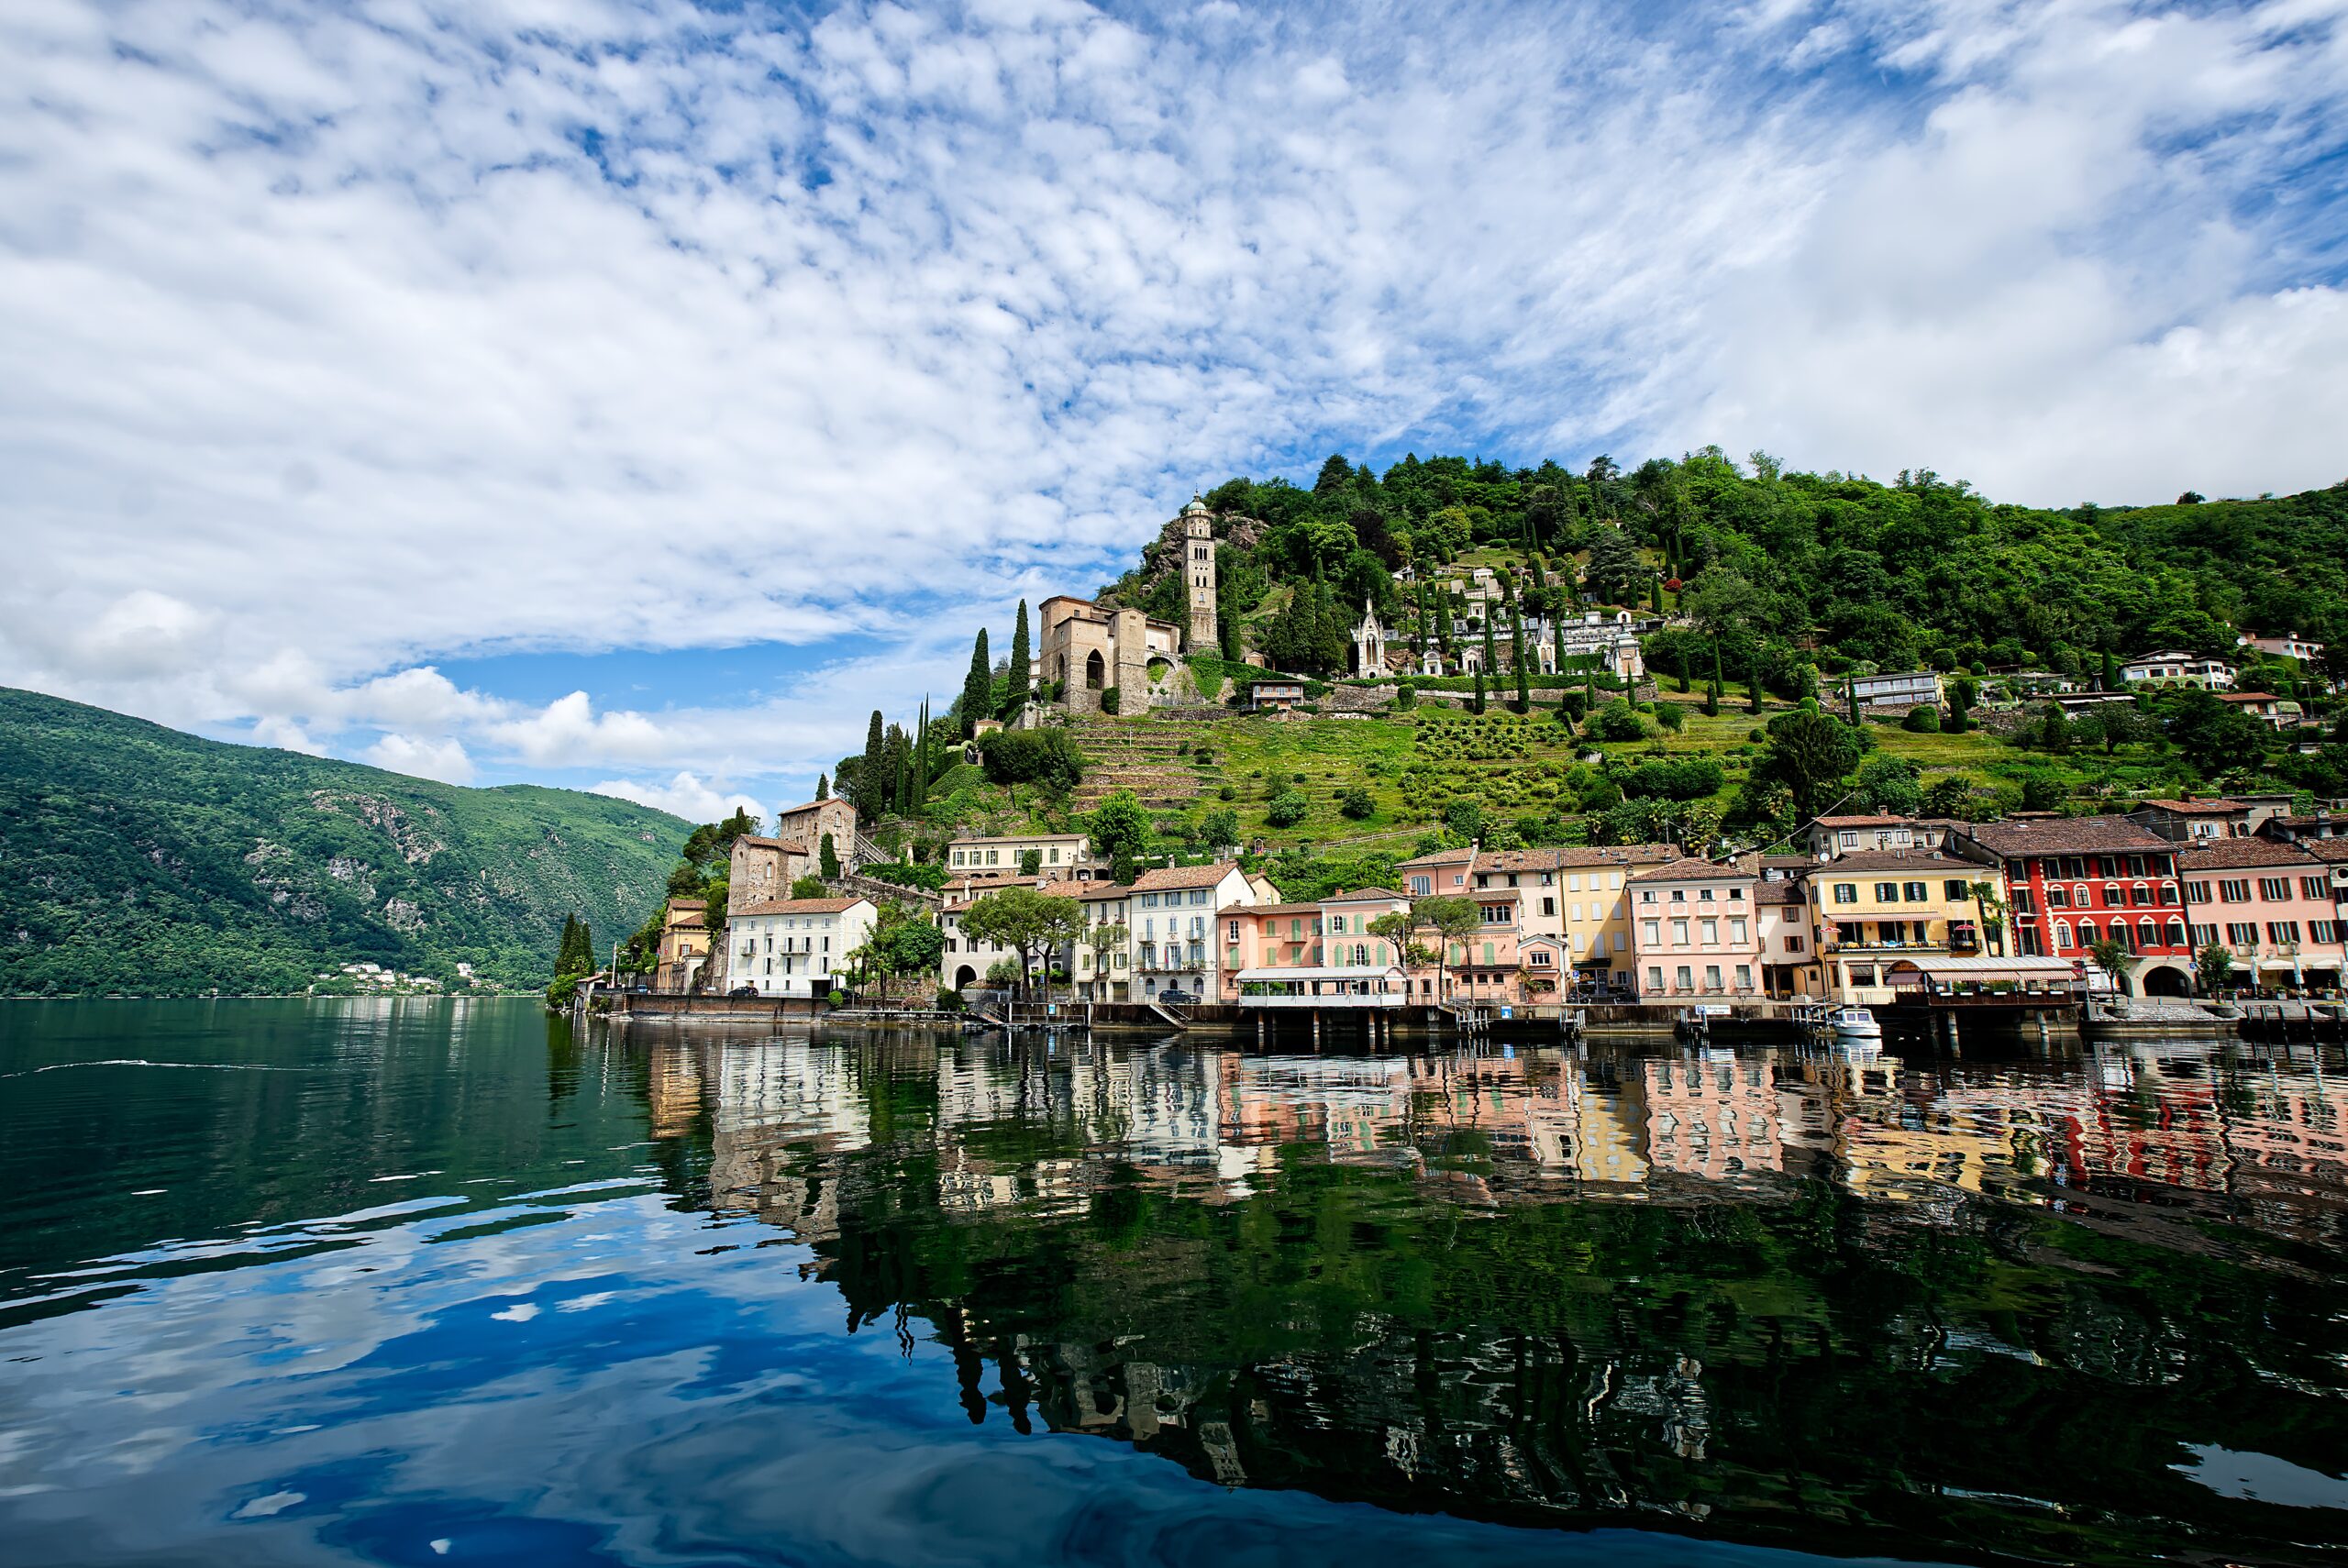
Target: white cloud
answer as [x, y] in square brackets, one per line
[684, 796]
[336, 342]
[442, 759]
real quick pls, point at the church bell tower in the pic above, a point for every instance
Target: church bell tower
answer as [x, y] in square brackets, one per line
[1197, 573]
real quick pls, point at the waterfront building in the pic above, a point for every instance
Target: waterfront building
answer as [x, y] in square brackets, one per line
[1173, 910]
[1874, 907]
[1567, 906]
[966, 959]
[1326, 947]
[1104, 965]
[2194, 821]
[795, 947]
[1694, 932]
[1789, 959]
[683, 946]
[1830, 836]
[2073, 881]
[2271, 904]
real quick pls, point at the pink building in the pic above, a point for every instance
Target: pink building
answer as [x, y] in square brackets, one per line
[1694, 930]
[1324, 949]
[2270, 904]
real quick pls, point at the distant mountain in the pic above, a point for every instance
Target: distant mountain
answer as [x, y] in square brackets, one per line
[136, 858]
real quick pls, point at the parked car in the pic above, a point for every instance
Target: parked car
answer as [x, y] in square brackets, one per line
[743, 992]
[1175, 996]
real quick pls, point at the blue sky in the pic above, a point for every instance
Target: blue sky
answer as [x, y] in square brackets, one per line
[633, 395]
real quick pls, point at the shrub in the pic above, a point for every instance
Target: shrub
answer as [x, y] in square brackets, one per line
[1668, 715]
[1111, 699]
[949, 999]
[1922, 721]
[1617, 722]
[1203, 757]
[838, 999]
[1355, 803]
[1287, 809]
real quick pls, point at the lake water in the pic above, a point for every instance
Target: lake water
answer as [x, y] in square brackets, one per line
[417, 1282]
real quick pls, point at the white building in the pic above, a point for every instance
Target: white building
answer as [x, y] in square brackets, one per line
[1905, 689]
[795, 947]
[1056, 854]
[2177, 666]
[1170, 913]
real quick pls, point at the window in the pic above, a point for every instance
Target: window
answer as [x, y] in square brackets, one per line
[1549, 907]
[2058, 898]
[1736, 895]
[1711, 977]
[2168, 893]
[2274, 890]
[1497, 914]
[1793, 944]
[1056, 854]
[1651, 931]
[2140, 895]
[2282, 931]
[1679, 934]
[1646, 895]
[2176, 933]
[2025, 902]
[1678, 895]
[2235, 892]
[1711, 934]
[2314, 887]
[1846, 892]
[1686, 980]
[1421, 887]
[2244, 934]
[2063, 935]
[995, 857]
[1914, 892]
[2324, 930]
[1744, 977]
[1704, 895]
[1655, 976]
[1956, 892]
[2197, 892]
[2204, 934]
[1736, 930]
[1336, 923]
[1886, 892]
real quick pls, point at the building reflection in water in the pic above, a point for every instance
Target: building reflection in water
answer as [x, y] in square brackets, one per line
[1776, 1294]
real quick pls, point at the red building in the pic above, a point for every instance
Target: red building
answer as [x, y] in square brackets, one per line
[2074, 881]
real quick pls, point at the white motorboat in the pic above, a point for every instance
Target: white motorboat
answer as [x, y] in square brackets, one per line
[1854, 1024]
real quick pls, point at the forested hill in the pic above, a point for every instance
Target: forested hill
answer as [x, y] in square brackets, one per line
[1777, 569]
[135, 858]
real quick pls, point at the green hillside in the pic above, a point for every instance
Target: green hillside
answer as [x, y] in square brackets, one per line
[136, 858]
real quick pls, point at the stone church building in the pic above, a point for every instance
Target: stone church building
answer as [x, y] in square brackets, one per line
[1085, 649]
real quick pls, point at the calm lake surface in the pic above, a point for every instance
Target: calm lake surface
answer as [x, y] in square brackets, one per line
[432, 1282]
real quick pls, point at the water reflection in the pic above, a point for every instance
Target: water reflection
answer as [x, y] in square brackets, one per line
[406, 1284]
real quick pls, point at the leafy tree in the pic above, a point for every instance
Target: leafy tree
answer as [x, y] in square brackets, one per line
[1464, 819]
[1616, 570]
[1120, 833]
[1618, 721]
[1031, 862]
[1287, 809]
[2054, 731]
[2113, 959]
[2213, 968]
[1888, 785]
[1024, 921]
[1670, 717]
[1950, 795]
[1047, 758]
[1451, 921]
[1811, 755]
[2114, 725]
[1355, 802]
[809, 888]
[1219, 828]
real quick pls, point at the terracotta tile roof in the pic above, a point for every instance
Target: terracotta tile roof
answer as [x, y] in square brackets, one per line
[2013, 839]
[1925, 860]
[1440, 857]
[2200, 808]
[790, 846]
[1104, 890]
[800, 906]
[2333, 849]
[1787, 892]
[1021, 838]
[1238, 909]
[1360, 895]
[2228, 854]
[689, 903]
[1863, 822]
[1167, 877]
[1690, 869]
[1574, 857]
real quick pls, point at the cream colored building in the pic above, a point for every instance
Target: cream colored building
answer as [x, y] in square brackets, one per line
[795, 947]
[1056, 854]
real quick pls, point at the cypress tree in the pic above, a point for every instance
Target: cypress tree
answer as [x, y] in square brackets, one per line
[1516, 650]
[1683, 667]
[1851, 702]
[1478, 704]
[872, 783]
[1712, 692]
[1021, 654]
[828, 859]
[1658, 586]
[978, 687]
[823, 785]
[2111, 672]
[1753, 675]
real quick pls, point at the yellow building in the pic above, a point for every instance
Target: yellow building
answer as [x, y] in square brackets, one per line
[684, 946]
[1872, 909]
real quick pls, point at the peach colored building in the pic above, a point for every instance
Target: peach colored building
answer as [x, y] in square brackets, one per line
[1695, 931]
[1564, 913]
[1325, 946]
[2271, 904]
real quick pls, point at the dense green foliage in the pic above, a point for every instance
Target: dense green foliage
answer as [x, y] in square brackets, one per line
[137, 859]
[1773, 565]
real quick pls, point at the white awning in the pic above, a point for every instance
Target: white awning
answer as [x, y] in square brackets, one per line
[1342, 972]
[1977, 968]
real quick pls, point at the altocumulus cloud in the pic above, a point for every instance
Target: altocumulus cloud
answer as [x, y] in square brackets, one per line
[340, 340]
